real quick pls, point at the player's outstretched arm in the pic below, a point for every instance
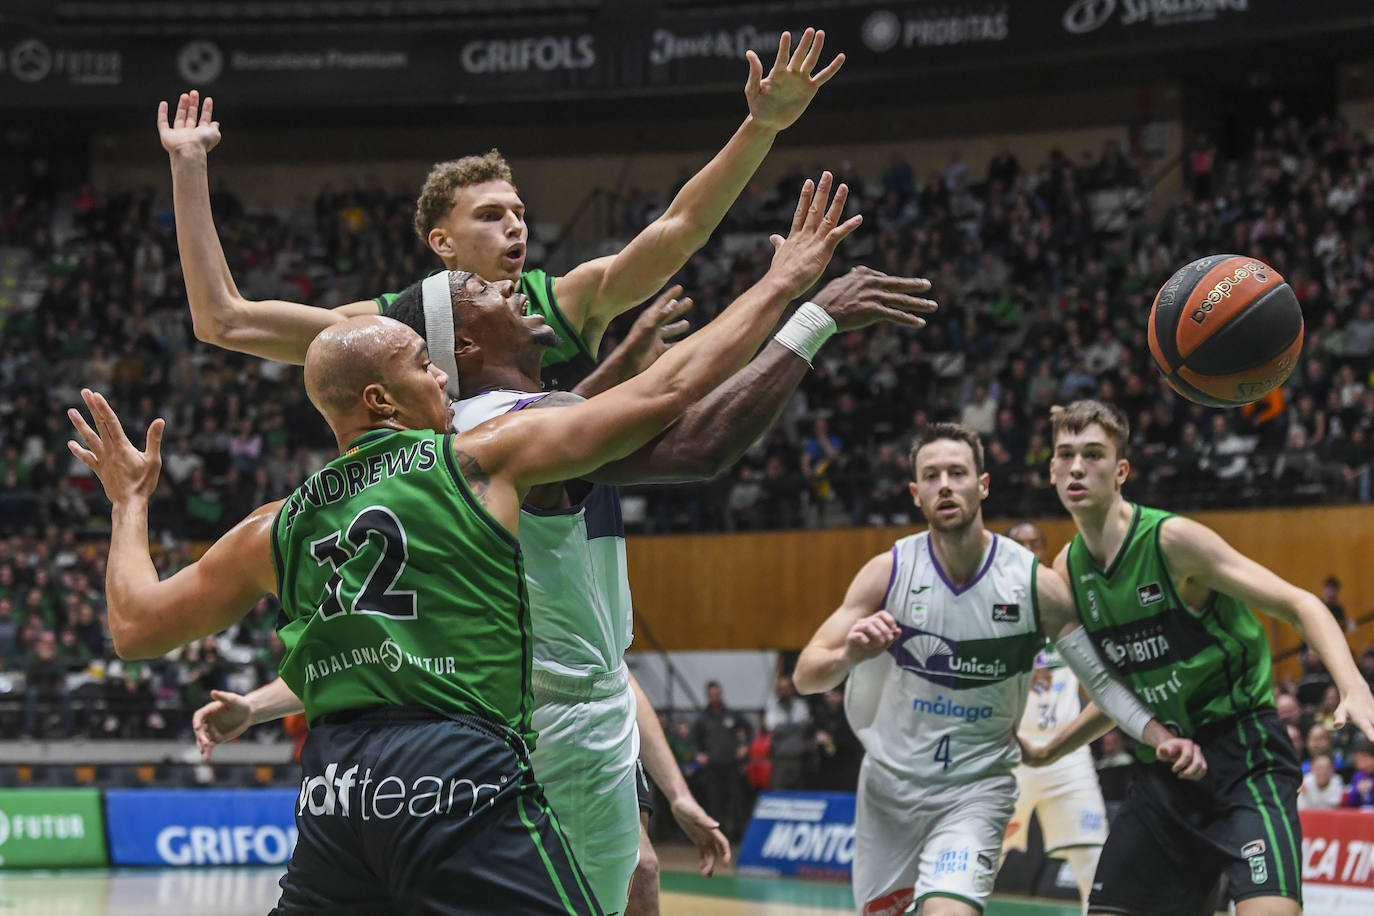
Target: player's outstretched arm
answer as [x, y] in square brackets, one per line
[567, 442]
[1089, 725]
[648, 338]
[1198, 554]
[717, 430]
[229, 715]
[1059, 622]
[271, 329]
[857, 631]
[702, 829]
[593, 293]
[148, 617]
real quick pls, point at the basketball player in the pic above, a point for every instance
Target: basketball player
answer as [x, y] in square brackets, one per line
[1164, 599]
[1065, 796]
[470, 215]
[575, 563]
[398, 570]
[938, 637]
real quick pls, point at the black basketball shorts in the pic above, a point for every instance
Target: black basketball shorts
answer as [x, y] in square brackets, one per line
[1172, 839]
[405, 810]
[643, 789]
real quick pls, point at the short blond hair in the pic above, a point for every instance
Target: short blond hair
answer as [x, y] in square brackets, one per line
[436, 197]
[1079, 415]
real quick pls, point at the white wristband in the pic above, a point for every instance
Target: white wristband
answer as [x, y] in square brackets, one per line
[806, 331]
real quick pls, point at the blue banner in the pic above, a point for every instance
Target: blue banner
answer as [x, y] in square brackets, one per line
[808, 834]
[201, 826]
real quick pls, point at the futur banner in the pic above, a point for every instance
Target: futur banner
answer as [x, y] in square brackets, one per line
[51, 828]
[810, 834]
[201, 826]
[664, 53]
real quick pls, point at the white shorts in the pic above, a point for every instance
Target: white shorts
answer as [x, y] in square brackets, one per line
[1067, 799]
[586, 757]
[914, 841]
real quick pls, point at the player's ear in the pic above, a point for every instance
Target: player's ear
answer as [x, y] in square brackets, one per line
[440, 243]
[915, 494]
[377, 401]
[464, 347]
[983, 485]
[1123, 470]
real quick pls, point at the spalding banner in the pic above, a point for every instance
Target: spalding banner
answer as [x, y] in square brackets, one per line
[201, 826]
[809, 834]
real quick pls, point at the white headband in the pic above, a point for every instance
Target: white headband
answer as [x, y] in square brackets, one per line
[438, 302]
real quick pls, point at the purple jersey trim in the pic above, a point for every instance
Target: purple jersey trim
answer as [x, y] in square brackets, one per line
[891, 580]
[525, 402]
[992, 552]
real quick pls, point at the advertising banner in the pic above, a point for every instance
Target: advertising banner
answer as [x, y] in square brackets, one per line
[1337, 862]
[201, 826]
[808, 834]
[51, 828]
[673, 51]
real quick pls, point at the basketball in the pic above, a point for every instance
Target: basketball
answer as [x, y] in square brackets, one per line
[1225, 330]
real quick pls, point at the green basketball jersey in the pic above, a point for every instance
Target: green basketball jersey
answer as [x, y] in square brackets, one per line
[399, 588]
[571, 359]
[1191, 668]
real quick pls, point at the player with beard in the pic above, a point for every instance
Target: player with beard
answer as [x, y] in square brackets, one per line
[1165, 599]
[409, 634]
[1065, 796]
[938, 637]
[573, 541]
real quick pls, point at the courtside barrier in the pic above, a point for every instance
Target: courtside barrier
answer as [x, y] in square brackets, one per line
[1338, 862]
[201, 826]
[51, 828]
[807, 834]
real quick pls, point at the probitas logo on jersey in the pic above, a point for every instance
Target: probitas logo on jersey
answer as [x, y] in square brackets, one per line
[938, 659]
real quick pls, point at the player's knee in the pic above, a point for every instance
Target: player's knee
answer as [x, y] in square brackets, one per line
[647, 869]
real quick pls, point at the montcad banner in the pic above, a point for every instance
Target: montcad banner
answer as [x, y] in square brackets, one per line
[680, 53]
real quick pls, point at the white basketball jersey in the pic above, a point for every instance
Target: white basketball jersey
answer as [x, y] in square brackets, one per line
[574, 566]
[942, 704]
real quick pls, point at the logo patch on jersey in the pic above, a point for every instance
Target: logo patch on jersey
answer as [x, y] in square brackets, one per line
[1085, 578]
[940, 660]
[919, 589]
[1150, 593]
[1250, 850]
[1006, 613]
[1092, 605]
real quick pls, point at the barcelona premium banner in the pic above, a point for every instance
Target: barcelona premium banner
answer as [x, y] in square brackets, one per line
[51, 828]
[593, 56]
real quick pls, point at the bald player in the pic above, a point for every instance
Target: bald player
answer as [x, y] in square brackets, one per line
[397, 566]
[1064, 795]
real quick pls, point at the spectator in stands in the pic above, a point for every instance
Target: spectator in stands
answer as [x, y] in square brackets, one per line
[788, 718]
[45, 678]
[838, 749]
[1331, 597]
[1360, 794]
[720, 754]
[1322, 787]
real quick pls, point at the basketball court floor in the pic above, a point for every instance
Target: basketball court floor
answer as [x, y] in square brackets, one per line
[247, 891]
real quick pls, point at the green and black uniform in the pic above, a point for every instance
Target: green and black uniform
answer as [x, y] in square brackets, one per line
[1207, 674]
[564, 365]
[408, 640]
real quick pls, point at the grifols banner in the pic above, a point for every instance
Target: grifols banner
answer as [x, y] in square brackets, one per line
[660, 53]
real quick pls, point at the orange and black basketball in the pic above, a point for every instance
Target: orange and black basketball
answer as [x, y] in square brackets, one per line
[1226, 330]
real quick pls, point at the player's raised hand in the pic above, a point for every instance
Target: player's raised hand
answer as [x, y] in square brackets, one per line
[870, 636]
[704, 832]
[191, 128]
[126, 473]
[864, 296]
[654, 331]
[801, 258]
[1186, 757]
[1357, 708]
[778, 99]
[224, 718]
